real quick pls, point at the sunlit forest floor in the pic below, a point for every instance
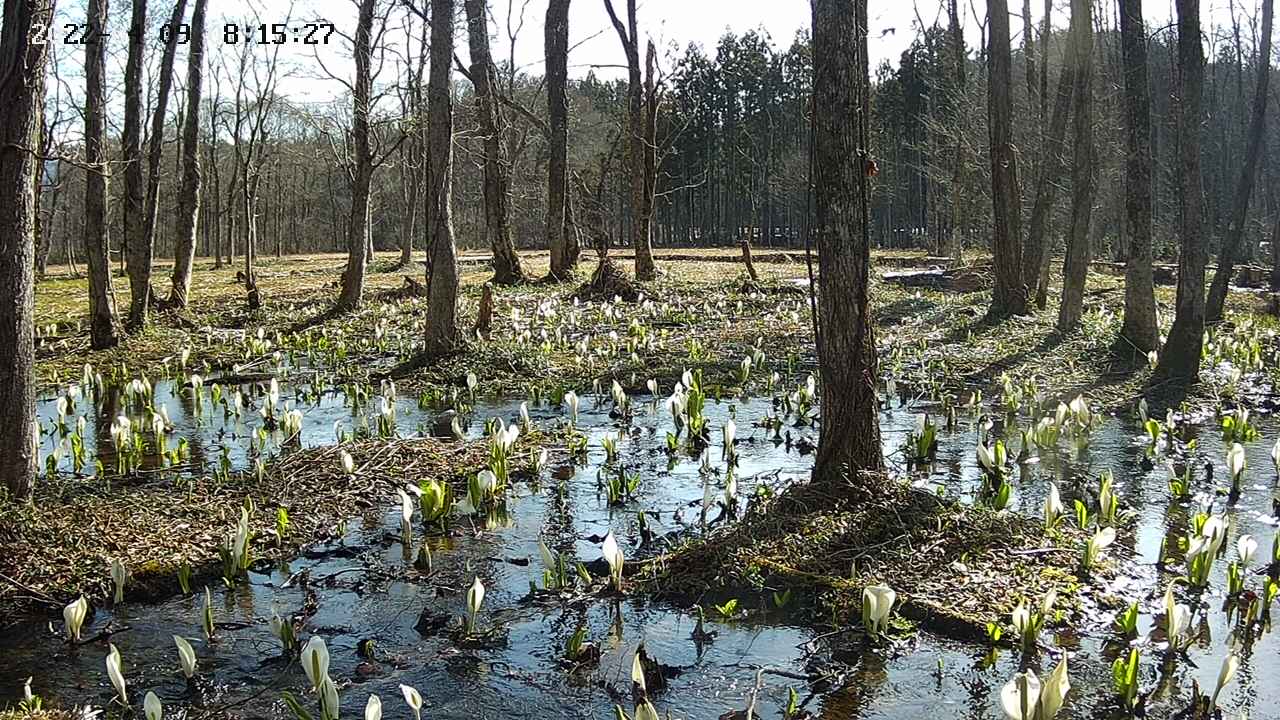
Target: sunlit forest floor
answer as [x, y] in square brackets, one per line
[935, 343]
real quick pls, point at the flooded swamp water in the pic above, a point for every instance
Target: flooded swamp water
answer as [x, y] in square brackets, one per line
[364, 587]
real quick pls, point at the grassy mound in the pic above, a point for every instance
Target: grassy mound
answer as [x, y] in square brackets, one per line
[954, 567]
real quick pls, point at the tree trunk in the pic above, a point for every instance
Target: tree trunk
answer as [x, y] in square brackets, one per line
[361, 164]
[141, 254]
[138, 262]
[955, 238]
[1181, 356]
[189, 195]
[102, 331]
[1035, 256]
[636, 134]
[1010, 294]
[1139, 328]
[1248, 174]
[563, 260]
[850, 438]
[497, 180]
[22, 67]
[1075, 268]
[442, 270]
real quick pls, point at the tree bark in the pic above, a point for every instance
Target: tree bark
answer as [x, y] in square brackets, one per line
[1181, 357]
[636, 139]
[1035, 254]
[141, 256]
[189, 195]
[22, 67]
[1010, 294]
[955, 36]
[137, 262]
[1075, 268]
[850, 438]
[563, 259]
[102, 331]
[497, 180]
[1248, 173]
[361, 164]
[1139, 328]
[442, 270]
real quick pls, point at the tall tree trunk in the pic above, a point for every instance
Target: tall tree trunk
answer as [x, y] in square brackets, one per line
[1139, 328]
[361, 164]
[102, 318]
[955, 36]
[22, 67]
[442, 270]
[556, 45]
[636, 134]
[1248, 173]
[497, 180]
[138, 262]
[184, 253]
[1035, 255]
[1075, 268]
[141, 256]
[1181, 356]
[1010, 294]
[850, 438]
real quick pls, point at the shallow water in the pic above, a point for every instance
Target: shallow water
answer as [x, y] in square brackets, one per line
[367, 590]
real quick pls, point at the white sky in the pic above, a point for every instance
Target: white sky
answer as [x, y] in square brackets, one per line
[670, 23]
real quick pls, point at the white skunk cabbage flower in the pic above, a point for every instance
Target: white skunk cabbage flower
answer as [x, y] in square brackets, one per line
[613, 556]
[1275, 455]
[1230, 664]
[1054, 691]
[730, 430]
[1020, 697]
[329, 703]
[186, 656]
[115, 674]
[1177, 622]
[475, 598]
[414, 699]
[1052, 507]
[373, 708]
[152, 708]
[571, 402]
[652, 386]
[73, 616]
[524, 415]
[1236, 462]
[986, 457]
[348, 463]
[548, 557]
[1246, 548]
[406, 507]
[877, 604]
[118, 577]
[315, 661]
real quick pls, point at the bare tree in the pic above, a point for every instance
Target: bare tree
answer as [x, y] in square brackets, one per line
[1181, 356]
[138, 261]
[497, 180]
[1075, 268]
[1139, 328]
[638, 137]
[850, 439]
[22, 66]
[955, 43]
[564, 251]
[1010, 294]
[189, 194]
[102, 317]
[442, 278]
[140, 256]
[1248, 172]
[361, 165]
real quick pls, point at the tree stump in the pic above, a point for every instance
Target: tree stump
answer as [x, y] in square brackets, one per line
[746, 260]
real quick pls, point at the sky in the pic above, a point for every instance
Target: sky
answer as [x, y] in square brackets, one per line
[672, 24]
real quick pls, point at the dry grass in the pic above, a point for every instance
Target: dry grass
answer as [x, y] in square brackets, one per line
[955, 567]
[60, 545]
